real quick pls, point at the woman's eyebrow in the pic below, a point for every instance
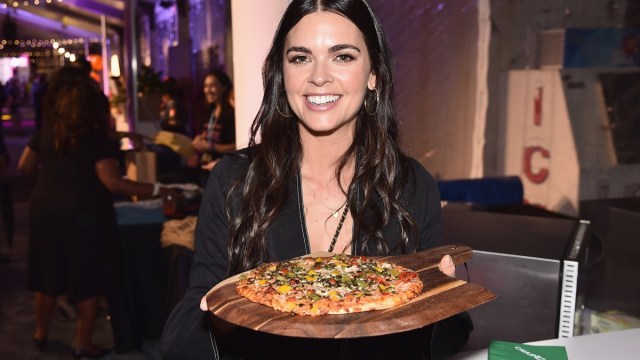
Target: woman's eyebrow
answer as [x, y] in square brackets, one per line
[333, 49]
[301, 49]
[340, 47]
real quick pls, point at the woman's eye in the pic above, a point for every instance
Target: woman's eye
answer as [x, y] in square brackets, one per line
[297, 59]
[344, 58]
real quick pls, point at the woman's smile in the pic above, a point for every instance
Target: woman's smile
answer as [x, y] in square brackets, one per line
[321, 102]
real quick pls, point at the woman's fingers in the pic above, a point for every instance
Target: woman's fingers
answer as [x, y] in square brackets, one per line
[203, 304]
[447, 266]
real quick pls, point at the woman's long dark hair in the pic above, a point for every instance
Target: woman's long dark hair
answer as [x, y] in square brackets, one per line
[381, 169]
[74, 106]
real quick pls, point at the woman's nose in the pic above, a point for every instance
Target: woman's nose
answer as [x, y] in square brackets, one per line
[320, 75]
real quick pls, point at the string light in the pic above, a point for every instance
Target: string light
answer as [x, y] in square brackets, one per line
[41, 51]
[55, 43]
[25, 3]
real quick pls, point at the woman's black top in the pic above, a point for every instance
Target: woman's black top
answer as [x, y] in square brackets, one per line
[186, 334]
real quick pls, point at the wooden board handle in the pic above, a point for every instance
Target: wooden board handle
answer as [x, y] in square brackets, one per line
[430, 258]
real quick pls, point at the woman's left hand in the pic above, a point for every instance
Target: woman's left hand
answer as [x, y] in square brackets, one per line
[208, 166]
[203, 304]
[447, 266]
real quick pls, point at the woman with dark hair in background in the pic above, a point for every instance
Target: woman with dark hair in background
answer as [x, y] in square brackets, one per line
[329, 145]
[72, 225]
[218, 136]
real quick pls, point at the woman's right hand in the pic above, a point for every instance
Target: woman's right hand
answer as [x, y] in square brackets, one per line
[200, 143]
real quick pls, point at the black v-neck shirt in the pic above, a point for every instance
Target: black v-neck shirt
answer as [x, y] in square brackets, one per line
[186, 333]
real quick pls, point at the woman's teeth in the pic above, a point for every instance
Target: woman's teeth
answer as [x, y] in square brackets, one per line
[321, 100]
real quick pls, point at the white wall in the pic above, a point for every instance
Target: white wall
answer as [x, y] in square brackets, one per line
[253, 26]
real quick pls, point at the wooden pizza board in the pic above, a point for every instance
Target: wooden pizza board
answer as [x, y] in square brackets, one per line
[441, 297]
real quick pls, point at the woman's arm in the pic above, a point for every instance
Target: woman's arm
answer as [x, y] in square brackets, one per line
[427, 214]
[186, 333]
[28, 163]
[224, 148]
[109, 174]
[201, 144]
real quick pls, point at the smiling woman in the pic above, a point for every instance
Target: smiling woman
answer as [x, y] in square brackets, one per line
[326, 74]
[327, 175]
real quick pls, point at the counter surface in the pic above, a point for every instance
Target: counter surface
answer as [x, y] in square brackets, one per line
[619, 345]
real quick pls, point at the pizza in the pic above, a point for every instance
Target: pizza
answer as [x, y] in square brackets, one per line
[338, 284]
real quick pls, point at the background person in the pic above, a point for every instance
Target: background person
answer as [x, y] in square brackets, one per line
[173, 112]
[13, 92]
[73, 247]
[38, 91]
[218, 134]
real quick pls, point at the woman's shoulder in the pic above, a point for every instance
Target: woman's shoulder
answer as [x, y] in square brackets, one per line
[419, 172]
[239, 157]
[235, 163]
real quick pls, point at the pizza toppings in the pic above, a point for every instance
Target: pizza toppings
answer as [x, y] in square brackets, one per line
[330, 285]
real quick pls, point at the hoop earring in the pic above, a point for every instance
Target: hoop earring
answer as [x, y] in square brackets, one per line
[366, 106]
[278, 108]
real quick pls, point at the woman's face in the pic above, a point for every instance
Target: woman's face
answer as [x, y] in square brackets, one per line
[213, 90]
[327, 71]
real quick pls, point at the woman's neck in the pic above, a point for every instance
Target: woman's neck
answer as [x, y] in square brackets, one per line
[324, 151]
[216, 108]
[320, 163]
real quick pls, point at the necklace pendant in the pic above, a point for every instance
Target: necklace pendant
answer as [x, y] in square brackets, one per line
[335, 214]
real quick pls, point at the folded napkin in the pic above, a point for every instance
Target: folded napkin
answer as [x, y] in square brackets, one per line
[179, 143]
[502, 350]
[179, 232]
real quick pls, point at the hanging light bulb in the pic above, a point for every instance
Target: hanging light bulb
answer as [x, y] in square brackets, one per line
[115, 66]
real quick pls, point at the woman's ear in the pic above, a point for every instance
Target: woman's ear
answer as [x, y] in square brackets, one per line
[371, 84]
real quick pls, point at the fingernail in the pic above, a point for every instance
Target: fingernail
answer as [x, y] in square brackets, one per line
[448, 259]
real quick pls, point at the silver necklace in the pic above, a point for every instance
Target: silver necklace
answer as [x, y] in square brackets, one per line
[334, 214]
